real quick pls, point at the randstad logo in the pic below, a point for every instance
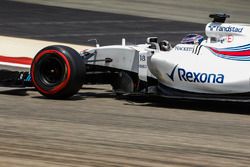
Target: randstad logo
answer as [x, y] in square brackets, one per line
[212, 27]
[196, 77]
[225, 29]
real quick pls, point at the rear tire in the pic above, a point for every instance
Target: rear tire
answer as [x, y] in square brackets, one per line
[123, 84]
[58, 71]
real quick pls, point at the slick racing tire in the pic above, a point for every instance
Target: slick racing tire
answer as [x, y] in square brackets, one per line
[123, 84]
[58, 72]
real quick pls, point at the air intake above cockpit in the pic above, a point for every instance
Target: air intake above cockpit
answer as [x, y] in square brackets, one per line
[219, 17]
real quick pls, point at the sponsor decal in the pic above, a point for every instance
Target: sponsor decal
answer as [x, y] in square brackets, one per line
[196, 77]
[237, 53]
[230, 38]
[143, 66]
[171, 75]
[24, 76]
[21, 75]
[187, 49]
[197, 49]
[225, 29]
[28, 78]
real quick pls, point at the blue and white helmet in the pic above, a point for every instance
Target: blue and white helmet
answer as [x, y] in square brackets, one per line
[192, 39]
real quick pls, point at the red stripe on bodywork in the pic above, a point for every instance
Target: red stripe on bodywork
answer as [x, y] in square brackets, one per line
[236, 53]
[17, 60]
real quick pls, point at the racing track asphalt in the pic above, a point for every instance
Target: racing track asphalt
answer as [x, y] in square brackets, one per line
[78, 26]
[96, 129]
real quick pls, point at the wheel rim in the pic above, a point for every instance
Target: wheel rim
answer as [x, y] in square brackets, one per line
[52, 71]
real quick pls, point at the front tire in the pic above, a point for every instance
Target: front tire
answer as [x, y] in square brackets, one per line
[58, 72]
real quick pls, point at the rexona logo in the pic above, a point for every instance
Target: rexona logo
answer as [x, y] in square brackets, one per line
[225, 29]
[196, 77]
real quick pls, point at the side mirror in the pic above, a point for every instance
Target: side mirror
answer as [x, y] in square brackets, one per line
[152, 40]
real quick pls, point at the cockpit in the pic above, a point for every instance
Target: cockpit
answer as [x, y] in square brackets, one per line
[218, 34]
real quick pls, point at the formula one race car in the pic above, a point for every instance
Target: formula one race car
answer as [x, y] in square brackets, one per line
[215, 68]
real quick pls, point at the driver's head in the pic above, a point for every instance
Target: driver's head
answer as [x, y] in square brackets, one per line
[192, 39]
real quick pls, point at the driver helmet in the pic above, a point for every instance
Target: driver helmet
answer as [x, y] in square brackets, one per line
[192, 39]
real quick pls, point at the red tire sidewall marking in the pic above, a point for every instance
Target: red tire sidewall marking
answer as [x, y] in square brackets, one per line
[61, 85]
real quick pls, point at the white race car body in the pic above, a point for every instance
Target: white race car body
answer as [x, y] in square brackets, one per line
[214, 68]
[220, 65]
